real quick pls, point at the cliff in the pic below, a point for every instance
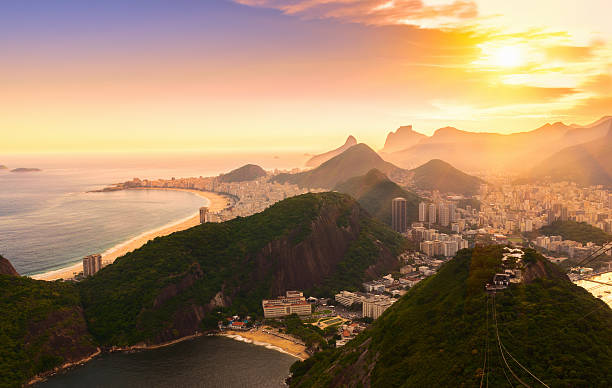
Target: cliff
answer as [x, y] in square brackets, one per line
[6, 268]
[403, 138]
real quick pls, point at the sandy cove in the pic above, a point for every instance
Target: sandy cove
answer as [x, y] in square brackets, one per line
[217, 202]
[270, 341]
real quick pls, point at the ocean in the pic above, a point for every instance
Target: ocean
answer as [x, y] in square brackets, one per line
[202, 362]
[49, 220]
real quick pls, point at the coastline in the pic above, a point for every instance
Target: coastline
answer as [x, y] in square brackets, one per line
[260, 338]
[216, 202]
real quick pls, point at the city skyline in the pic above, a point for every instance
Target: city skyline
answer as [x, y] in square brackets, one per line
[297, 75]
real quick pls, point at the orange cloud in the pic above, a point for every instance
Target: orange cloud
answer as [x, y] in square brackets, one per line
[375, 12]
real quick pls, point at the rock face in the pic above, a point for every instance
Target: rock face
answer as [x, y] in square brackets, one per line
[317, 160]
[6, 268]
[403, 138]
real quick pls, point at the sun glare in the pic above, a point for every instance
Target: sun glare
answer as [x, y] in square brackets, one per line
[508, 56]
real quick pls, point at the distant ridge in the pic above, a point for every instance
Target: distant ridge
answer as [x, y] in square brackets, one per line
[317, 160]
[587, 164]
[247, 172]
[374, 191]
[440, 175]
[24, 169]
[355, 161]
[477, 151]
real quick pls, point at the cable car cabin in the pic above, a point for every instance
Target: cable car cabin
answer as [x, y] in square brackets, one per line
[500, 282]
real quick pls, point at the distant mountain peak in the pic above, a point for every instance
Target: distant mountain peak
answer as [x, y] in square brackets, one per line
[317, 160]
[404, 137]
[248, 172]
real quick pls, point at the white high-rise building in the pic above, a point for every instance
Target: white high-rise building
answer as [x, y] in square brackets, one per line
[92, 264]
[422, 212]
[432, 214]
[443, 215]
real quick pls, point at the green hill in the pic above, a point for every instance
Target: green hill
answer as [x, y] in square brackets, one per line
[248, 172]
[576, 231]
[355, 161]
[374, 191]
[41, 327]
[175, 285]
[440, 332]
[439, 175]
[314, 242]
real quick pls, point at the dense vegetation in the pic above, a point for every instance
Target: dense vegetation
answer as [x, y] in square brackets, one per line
[437, 334]
[439, 175]
[355, 161]
[374, 191]
[247, 172]
[140, 296]
[576, 231]
[37, 323]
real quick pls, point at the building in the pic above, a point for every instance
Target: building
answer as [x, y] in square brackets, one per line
[92, 264]
[443, 215]
[375, 306]
[292, 303]
[374, 286]
[399, 219]
[422, 212]
[347, 298]
[203, 215]
[432, 214]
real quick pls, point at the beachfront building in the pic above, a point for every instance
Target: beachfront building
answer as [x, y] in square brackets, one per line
[374, 307]
[203, 215]
[292, 303]
[92, 264]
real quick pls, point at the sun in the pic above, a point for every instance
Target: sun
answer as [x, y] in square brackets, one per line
[508, 56]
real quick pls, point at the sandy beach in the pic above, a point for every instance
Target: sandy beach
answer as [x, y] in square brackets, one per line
[258, 337]
[216, 201]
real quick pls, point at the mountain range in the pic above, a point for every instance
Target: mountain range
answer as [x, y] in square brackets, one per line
[472, 151]
[317, 160]
[360, 159]
[448, 332]
[587, 164]
[174, 286]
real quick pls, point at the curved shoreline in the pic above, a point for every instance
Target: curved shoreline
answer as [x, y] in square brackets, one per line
[216, 202]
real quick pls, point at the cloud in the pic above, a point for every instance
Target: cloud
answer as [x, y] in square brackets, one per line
[376, 12]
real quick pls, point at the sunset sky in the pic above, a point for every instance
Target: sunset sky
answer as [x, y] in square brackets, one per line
[123, 75]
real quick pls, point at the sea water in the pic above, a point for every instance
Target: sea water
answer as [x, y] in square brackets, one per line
[50, 219]
[202, 362]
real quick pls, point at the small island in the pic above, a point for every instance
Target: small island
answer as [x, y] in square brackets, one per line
[3, 167]
[24, 169]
